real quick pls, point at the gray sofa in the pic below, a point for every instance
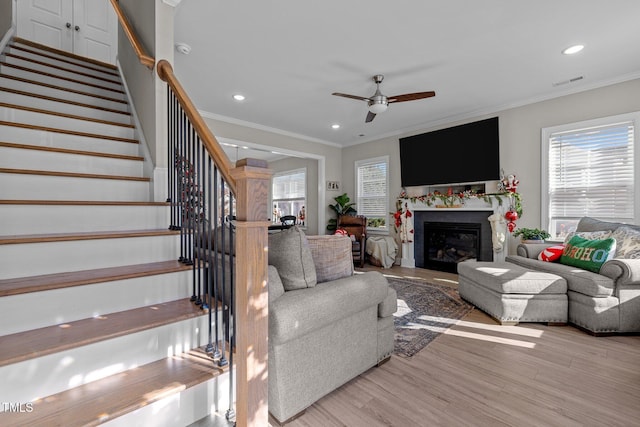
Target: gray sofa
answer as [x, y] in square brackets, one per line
[322, 332]
[604, 302]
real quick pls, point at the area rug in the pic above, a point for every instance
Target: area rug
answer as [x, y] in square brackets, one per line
[425, 310]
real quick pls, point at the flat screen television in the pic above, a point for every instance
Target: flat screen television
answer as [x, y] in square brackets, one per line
[462, 154]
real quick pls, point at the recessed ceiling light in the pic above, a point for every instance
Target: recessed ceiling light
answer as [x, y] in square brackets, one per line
[335, 126]
[238, 97]
[573, 49]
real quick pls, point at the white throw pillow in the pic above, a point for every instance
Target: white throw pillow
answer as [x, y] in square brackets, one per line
[628, 242]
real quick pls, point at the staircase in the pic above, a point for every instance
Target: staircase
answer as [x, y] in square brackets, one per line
[97, 324]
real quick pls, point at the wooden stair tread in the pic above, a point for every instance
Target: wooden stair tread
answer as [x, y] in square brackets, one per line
[85, 235]
[68, 132]
[64, 53]
[35, 343]
[73, 174]
[48, 282]
[44, 55]
[55, 76]
[82, 203]
[58, 67]
[62, 88]
[102, 400]
[70, 151]
[65, 115]
[64, 101]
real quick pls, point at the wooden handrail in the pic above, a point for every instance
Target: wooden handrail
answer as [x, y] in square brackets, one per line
[165, 71]
[146, 60]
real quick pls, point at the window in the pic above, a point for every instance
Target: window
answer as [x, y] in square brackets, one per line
[588, 170]
[289, 195]
[372, 184]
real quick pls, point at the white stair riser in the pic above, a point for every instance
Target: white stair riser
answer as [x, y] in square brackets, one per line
[61, 107]
[40, 309]
[19, 158]
[47, 375]
[184, 408]
[42, 187]
[58, 93]
[48, 219]
[59, 82]
[49, 120]
[27, 259]
[111, 83]
[55, 55]
[66, 63]
[62, 140]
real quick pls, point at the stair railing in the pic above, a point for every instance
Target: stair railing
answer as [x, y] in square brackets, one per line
[220, 212]
[145, 59]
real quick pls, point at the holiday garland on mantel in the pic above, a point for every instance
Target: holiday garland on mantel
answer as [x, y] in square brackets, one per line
[404, 225]
[450, 198]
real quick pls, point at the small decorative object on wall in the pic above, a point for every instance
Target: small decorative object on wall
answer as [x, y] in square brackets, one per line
[333, 185]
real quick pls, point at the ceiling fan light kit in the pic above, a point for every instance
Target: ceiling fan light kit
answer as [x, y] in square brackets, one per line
[377, 107]
[378, 102]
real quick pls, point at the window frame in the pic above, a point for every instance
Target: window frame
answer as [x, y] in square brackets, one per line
[291, 199]
[371, 161]
[634, 117]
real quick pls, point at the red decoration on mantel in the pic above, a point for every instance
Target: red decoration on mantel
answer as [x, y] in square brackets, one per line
[511, 216]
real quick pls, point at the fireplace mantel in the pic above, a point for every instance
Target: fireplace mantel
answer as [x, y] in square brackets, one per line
[473, 204]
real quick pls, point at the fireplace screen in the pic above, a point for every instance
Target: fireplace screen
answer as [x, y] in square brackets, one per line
[448, 243]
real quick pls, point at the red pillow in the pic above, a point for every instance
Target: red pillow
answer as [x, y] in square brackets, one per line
[551, 254]
[341, 232]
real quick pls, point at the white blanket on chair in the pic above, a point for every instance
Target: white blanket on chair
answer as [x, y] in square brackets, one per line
[383, 248]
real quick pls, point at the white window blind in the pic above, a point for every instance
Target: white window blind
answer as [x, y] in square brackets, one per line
[372, 191]
[290, 185]
[591, 173]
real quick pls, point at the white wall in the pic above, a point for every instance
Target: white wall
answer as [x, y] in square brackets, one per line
[520, 130]
[152, 21]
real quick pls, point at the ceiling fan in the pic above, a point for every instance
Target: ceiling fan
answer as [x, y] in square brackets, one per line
[378, 102]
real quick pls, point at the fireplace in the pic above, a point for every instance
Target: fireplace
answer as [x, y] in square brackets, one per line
[470, 230]
[448, 243]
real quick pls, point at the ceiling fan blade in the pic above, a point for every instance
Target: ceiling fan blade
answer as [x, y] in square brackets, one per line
[370, 117]
[345, 95]
[410, 96]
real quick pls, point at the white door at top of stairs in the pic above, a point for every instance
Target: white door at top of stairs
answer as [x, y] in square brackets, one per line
[84, 27]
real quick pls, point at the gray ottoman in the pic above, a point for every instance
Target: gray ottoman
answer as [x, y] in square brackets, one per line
[511, 294]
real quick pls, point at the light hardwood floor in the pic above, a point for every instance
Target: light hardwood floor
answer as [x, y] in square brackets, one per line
[484, 374]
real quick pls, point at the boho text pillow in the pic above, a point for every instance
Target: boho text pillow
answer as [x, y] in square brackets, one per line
[588, 254]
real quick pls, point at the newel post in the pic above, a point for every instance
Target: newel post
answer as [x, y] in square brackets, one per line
[252, 310]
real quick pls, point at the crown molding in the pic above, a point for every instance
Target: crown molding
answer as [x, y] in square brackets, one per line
[257, 126]
[173, 3]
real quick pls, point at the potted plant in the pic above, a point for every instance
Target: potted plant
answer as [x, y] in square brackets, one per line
[343, 206]
[531, 235]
